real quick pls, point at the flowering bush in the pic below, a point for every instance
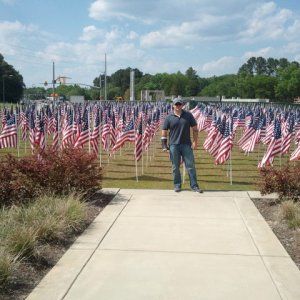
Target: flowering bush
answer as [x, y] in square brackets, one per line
[70, 170]
[285, 181]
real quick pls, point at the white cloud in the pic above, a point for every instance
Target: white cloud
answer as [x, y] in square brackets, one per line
[12, 35]
[160, 36]
[99, 9]
[209, 28]
[166, 10]
[291, 48]
[132, 35]
[90, 33]
[267, 22]
[103, 9]
[225, 64]
[293, 30]
[264, 52]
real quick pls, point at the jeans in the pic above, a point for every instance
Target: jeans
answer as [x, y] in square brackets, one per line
[184, 152]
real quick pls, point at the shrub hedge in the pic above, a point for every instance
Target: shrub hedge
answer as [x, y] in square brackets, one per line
[284, 181]
[70, 170]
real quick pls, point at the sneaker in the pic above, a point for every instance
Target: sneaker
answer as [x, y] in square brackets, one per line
[177, 189]
[197, 190]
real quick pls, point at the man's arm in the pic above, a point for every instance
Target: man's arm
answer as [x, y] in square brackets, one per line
[195, 137]
[164, 143]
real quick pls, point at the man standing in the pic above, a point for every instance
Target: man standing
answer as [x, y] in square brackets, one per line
[178, 123]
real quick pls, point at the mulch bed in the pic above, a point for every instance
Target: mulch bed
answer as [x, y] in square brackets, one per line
[289, 238]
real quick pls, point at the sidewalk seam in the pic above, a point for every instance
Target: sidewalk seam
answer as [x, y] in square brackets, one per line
[260, 254]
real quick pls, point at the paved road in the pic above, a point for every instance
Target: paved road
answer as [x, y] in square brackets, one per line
[157, 244]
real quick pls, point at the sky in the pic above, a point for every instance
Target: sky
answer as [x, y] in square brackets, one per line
[214, 37]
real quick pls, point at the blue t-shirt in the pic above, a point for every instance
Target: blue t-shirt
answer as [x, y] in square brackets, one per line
[179, 127]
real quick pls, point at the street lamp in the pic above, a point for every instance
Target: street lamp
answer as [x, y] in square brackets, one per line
[3, 86]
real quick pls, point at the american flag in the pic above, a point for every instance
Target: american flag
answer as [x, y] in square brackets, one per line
[138, 149]
[274, 147]
[226, 144]
[269, 129]
[96, 134]
[55, 140]
[295, 155]
[8, 136]
[68, 130]
[287, 134]
[254, 139]
[241, 119]
[51, 121]
[249, 131]
[248, 118]
[127, 135]
[24, 124]
[84, 135]
[113, 131]
[40, 132]
[32, 131]
[147, 134]
[201, 119]
[106, 132]
[212, 132]
[214, 149]
[4, 112]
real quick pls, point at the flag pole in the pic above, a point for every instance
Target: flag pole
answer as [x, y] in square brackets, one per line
[89, 129]
[230, 168]
[18, 136]
[136, 170]
[100, 136]
[142, 155]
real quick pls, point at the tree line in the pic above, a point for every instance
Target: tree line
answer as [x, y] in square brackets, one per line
[275, 79]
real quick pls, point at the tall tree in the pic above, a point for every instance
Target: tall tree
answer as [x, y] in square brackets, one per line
[288, 86]
[272, 66]
[260, 66]
[11, 81]
[192, 87]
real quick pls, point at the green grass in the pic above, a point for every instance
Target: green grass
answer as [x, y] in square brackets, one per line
[154, 172]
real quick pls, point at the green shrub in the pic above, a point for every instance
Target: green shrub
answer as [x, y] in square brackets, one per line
[8, 265]
[15, 186]
[294, 223]
[285, 181]
[47, 172]
[289, 209]
[21, 240]
[54, 216]
[24, 228]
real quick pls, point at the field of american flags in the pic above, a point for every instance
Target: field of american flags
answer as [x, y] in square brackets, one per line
[234, 140]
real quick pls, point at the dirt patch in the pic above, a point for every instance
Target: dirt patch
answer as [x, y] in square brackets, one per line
[33, 270]
[289, 238]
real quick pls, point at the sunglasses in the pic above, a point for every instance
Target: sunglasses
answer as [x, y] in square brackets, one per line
[178, 104]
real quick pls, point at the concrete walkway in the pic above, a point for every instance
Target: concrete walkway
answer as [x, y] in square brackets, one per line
[157, 244]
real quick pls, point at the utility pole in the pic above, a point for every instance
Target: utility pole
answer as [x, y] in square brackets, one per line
[53, 82]
[132, 95]
[105, 90]
[100, 87]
